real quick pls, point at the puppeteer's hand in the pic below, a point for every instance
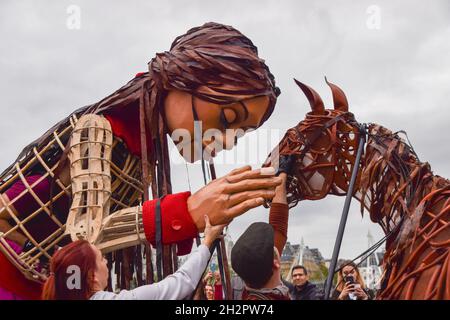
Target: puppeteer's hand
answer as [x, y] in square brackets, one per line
[230, 196]
[208, 277]
[280, 191]
[345, 292]
[359, 292]
[211, 232]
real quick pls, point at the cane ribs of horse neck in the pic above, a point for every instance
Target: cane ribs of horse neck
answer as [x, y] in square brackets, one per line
[400, 193]
[407, 200]
[90, 170]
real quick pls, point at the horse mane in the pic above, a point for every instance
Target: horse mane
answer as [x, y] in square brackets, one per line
[404, 197]
[392, 180]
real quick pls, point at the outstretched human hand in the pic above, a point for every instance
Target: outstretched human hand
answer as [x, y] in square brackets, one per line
[230, 196]
[211, 232]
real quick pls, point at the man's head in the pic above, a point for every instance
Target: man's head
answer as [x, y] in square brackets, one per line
[254, 257]
[299, 275]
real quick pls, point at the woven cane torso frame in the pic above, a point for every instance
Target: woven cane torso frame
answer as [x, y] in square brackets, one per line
[126, 192]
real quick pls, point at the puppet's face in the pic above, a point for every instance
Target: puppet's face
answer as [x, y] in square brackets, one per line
[218, 126]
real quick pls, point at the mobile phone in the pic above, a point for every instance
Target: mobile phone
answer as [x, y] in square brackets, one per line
[349, 279]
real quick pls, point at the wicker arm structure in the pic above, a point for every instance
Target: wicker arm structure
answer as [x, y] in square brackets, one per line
[89, 217]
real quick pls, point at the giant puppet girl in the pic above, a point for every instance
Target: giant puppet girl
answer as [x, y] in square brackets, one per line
[89, 175]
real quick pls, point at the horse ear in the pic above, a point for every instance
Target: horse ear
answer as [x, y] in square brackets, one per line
[313, 97]
[339, 98]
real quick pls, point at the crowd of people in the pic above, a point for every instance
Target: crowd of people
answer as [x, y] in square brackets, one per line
[350, 285]
[211, 287]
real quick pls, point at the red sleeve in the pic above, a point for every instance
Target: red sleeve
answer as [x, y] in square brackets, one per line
[11, 279]
[278, 219]
[177, 224]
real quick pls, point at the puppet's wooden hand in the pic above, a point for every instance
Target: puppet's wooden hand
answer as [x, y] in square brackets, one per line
[230, 196]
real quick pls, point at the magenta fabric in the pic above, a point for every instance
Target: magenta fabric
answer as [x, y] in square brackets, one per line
[8, 295]
[5, 294]
[27, 204]
[14, 246]
[42, 225]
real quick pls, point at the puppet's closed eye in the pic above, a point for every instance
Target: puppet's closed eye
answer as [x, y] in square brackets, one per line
[227, 117]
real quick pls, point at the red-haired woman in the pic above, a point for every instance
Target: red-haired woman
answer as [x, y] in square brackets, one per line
[79, 272]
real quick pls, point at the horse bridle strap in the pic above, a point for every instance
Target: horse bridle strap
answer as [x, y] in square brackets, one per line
[316, 134]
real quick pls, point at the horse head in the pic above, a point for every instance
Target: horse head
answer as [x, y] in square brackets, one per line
[324, 147]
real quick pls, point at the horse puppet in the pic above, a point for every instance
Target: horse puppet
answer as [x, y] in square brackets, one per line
[400, 193]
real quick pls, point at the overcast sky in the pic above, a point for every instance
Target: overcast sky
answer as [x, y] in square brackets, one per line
[390, 57]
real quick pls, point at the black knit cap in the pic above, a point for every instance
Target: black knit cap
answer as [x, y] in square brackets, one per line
[252, 255]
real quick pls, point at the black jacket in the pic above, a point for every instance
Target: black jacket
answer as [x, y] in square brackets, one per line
[308, 291]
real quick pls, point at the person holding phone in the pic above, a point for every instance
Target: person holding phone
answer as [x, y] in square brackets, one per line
[350, 285]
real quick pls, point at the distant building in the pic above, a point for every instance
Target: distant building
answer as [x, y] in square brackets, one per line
[290, 252]
[371, 269]
[300, 254]
[316, 255]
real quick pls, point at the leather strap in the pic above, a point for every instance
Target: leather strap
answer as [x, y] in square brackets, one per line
[158, 239]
